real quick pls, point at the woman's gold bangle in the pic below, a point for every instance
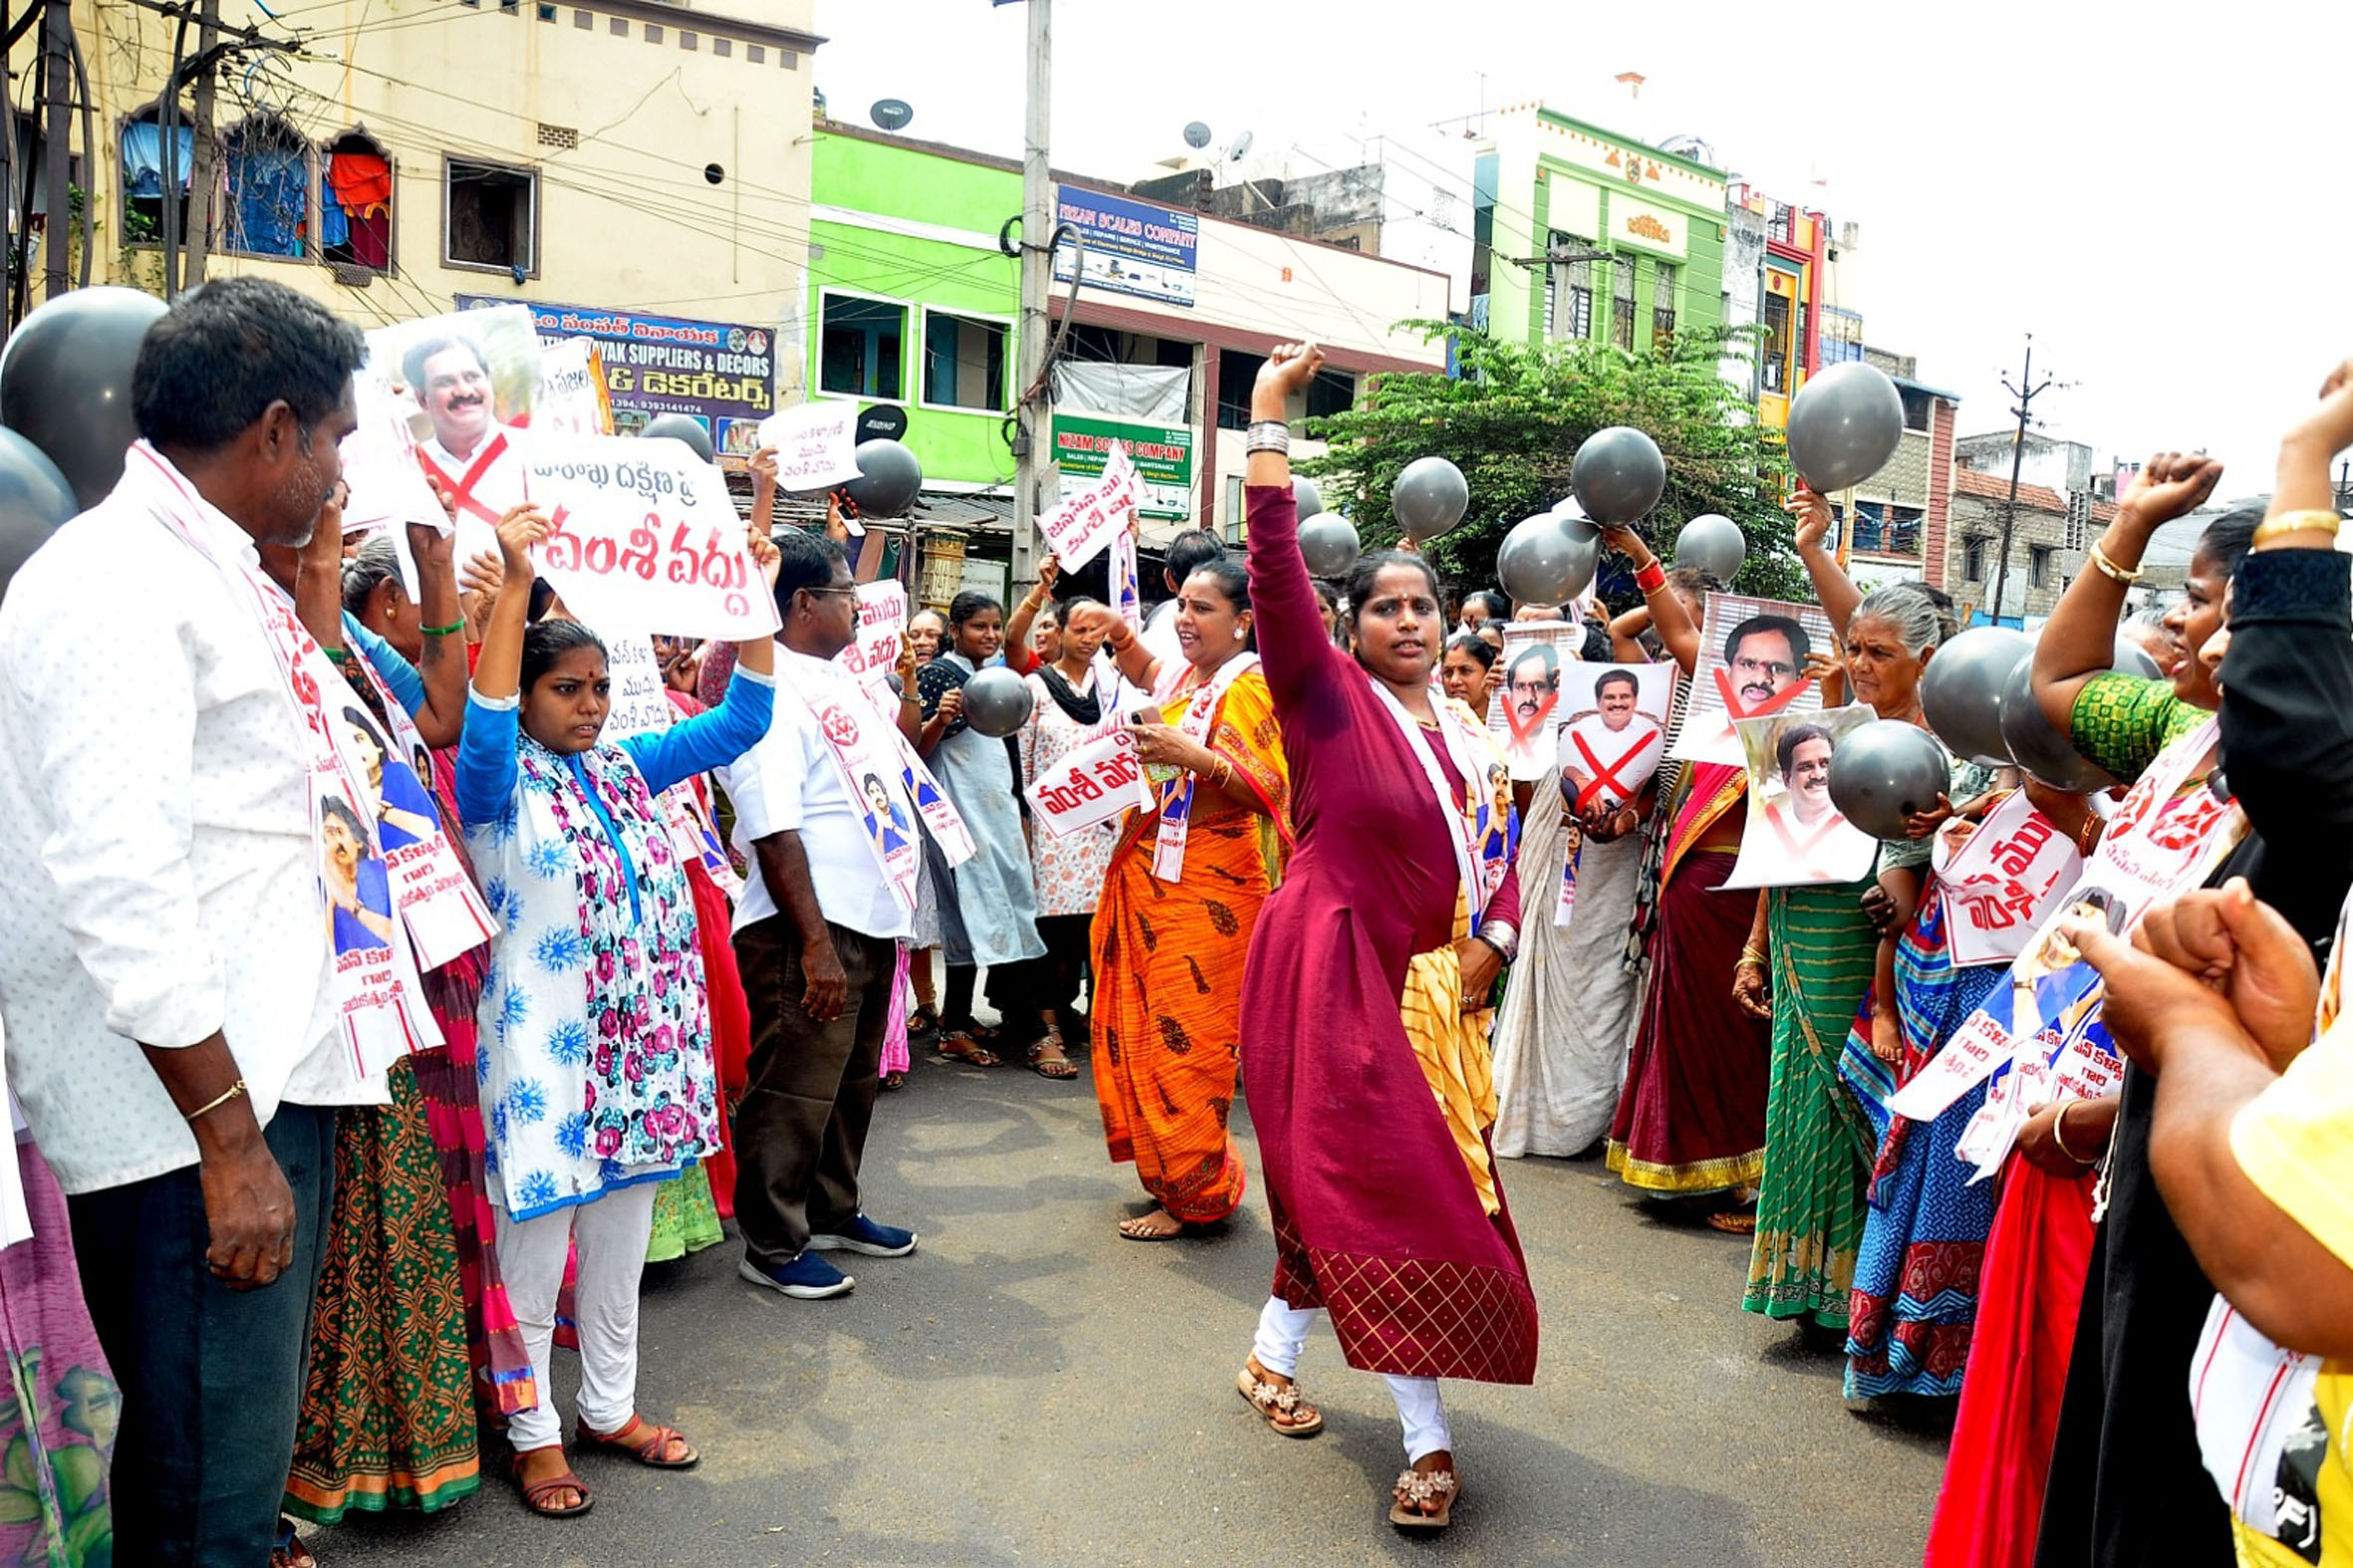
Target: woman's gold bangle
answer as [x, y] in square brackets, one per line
[2059, 1135]
[2110, 570]
[232, 1092]
[2311, 520]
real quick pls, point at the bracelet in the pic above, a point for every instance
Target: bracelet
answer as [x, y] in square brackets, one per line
[1268, 435]
[1651, 579]
[1500, 935]
[2311, 520]
[2088, 834]
[231, 1093]
[342, 655]
[2059, 1135]
[2109, 569]
[451, 629]
[1753, 955]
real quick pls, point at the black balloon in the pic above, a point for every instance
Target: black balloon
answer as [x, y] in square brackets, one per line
[888, 478]
[34, 500]
[65, 383]
[682, 428]
[2036, 746]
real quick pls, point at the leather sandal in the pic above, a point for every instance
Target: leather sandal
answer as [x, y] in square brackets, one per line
[1057, 1066]
[962, 1045]
[1281, 1405]
[537, 1494]
[653, 1448]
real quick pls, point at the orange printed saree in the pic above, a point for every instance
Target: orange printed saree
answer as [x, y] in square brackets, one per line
[1169, 967]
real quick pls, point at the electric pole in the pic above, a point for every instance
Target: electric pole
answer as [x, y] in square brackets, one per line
[2010, 515]
[204, 159]
[1033, 416]
[57, 93]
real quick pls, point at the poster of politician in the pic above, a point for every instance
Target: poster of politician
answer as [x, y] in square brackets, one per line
[1526, 712]
[1795, 836]
[1614, 732]
[1753, 655]
[475, 376]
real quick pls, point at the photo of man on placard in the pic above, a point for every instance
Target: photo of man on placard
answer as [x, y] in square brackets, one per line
[1754, 655]
[1795, 835]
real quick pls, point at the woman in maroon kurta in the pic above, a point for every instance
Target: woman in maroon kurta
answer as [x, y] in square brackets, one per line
[1377, 1216]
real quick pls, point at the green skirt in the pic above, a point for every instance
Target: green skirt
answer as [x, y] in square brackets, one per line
[1811, 1208]
[684, 1217]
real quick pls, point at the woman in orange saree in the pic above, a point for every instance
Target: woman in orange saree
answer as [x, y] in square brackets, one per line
[1179, 901]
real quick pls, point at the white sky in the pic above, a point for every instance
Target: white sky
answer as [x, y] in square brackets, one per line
[2157, 192]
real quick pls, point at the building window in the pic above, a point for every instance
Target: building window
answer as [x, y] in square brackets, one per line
[1622, 302]
[859, 350]
[267, 165]
[1919, 406]
[1568, 291]
[1973, 560]
[1776, 344]
[722, 46]
[653, 32]
[490, 217]
[143, 176]
[690, 41]
[2038, 564]
[355, 204]
[754, 54]
[1662, 286]
[1331, 393]
[963, 362]
[584, 19]
[1237, 371]
[618, 26]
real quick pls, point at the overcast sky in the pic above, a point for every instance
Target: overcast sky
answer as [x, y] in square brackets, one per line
[2156, 193]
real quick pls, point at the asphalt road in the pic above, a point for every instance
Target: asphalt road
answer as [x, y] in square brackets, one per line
[1029, 1388]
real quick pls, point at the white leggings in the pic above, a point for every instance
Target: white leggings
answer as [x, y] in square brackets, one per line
[1282, 1335]
[612, 1232]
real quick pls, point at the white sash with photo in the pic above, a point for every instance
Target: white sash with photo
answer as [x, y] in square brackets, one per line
[379, 1002]
[1175, 794]
[853, 731]
[2160, 841]
[444, 914]
[1476, 836]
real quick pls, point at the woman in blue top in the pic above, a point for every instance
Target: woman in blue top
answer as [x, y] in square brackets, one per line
[594, 1029]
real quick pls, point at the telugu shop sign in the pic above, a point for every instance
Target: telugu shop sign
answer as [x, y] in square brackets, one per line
[720, 373]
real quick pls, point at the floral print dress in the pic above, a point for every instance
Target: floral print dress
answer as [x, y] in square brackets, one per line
[595, 1061]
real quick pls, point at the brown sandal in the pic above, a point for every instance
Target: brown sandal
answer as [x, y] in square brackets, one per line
[1281, 1405]
[652, 1449]
[1734, 1221]
[1423, 1488]
[537, 1494]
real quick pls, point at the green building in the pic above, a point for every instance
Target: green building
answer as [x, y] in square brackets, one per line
[1581, 234]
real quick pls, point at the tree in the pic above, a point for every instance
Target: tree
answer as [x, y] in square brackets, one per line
[1512, 419]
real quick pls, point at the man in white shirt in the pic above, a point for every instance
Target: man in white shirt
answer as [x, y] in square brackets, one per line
[822, 815]
[471, 457]
[171, 1018]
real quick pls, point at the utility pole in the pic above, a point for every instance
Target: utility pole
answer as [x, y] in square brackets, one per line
[204, 159]
[1033, 417]
[2010, 515]
[56, 88]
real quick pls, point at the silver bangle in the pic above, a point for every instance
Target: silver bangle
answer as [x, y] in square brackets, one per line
[1268, 435]
[1501, 936]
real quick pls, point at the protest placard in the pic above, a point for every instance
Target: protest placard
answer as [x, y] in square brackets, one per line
[816, 444]
[1081, 527]
[572, 400]
[646, 539]
[1999, 883]
[882, 631]
[1794, 835]
[1091, 785]
[1523, 710]
[1752, 662]
[474, 380]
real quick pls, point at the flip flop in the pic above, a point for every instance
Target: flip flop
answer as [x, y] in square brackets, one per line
[1734, 1221]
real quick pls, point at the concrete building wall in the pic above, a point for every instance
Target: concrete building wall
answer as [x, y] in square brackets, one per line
[612, 112]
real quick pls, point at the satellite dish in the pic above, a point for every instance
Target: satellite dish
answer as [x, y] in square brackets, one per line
[891, 113]
[1197, 135]
[1242, 144]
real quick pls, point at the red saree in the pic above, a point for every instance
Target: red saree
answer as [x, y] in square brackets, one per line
[1376, 1216]
[1692, 1117]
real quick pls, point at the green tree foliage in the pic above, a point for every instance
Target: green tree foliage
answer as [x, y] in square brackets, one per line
[1512, 421]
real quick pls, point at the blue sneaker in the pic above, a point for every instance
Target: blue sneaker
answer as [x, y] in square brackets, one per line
[807, 1276]
[862, 1234]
